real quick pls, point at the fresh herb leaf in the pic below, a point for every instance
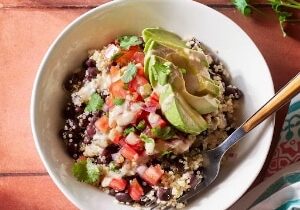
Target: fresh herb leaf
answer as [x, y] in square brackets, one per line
[128, 131]
[116, 56]
[243, 6]
[95, 103]
[112, 166]
[129, 73]
[146, 139]
[166, 154]
[182, 70]
[127, 41]
[118, 101]
[163, 133]
[149, 143]
[86, 171]
[141, 125]
[161, 72]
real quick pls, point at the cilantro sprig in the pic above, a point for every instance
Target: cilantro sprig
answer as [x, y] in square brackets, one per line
[279, 7]
[163, 133]
[161, 72]
[127, 41]
[129, 73]
[86, 171]
[118, 101]
[95, 103]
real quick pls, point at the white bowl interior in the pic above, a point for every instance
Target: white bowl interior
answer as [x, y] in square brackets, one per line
[186, 18]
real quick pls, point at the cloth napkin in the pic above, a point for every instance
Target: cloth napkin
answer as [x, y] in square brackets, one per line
[280, 189]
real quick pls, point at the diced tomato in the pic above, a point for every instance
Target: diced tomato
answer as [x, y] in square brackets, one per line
[154, 96]
[114, 71]
[141, 72]
[153, 174]
[117, 89]
[135, 190]
[127, 56]
[137, 82]
[132, 139]
[102, 124]
[129, 152]
[138, 147]
[118, 184]
[117, 137]
[155, 120]
[136, 97]
[121, 142]
[138, 57]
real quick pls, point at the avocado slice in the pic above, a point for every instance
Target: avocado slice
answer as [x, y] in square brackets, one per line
[197, 77]
[203, 105]
[179, 113]
[163, 36]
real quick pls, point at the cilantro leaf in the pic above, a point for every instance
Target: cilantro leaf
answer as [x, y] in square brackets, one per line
[128, 131]
[141, 125]
[166, 154]
[163, 133]
[118, 101]
[149, 143]
[129, 73]
[116, 56]
[243, 6]
[95, 103]
[86, 171]
[112, 166]
[146, 139]
[161, 72]
[127, 41]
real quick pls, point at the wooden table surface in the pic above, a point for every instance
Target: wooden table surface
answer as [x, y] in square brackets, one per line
[27, 27]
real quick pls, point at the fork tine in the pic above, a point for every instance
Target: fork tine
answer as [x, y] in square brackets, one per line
[193, 192]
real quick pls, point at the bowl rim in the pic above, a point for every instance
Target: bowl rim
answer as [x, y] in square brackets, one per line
[68, 28]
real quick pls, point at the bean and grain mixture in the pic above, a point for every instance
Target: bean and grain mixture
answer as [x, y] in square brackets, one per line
[119, 136]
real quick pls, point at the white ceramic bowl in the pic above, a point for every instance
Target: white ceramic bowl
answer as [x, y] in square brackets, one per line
[187, 18]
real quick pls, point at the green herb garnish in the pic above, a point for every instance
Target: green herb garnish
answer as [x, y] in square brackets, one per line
[86, 171]
[166, 154]
[128, 131]
[146, 139]
[161, 72]
[118, 101]
[163, 133]
[129, 73]
[243, 6]
[115, 56]
[112, 166]
[141, 125]
[95, 103]
[127, 41]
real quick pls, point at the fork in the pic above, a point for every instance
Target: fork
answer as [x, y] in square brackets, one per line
[212, 158]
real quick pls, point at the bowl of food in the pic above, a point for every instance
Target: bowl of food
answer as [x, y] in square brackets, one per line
[129, 95]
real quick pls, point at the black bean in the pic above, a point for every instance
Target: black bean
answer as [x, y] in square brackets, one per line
[234, 91]
[91, 73]
[69, 111]
[230, 131]
[123, 197]
[164, 194]
[90, 130]
[73, 81]
[78, 110]
[90, 63]
[112, 192]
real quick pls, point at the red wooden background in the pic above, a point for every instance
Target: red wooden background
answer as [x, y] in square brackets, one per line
[27, 27]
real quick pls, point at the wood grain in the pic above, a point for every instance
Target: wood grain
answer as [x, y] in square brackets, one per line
[27, 29]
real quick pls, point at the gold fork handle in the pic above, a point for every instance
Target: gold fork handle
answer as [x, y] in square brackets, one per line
[281, 98]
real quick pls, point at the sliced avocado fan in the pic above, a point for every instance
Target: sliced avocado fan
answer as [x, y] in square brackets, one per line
[173, 76]
[197, 77]
[179, 113]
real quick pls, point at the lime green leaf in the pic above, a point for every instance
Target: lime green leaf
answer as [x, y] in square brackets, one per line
[141, 125]
[127, 41]
[95, 103]
[128, 131]
[146, 139]
[118, 101]
[242, 6]
[163, 133]
[129, 73]
[86, 171]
